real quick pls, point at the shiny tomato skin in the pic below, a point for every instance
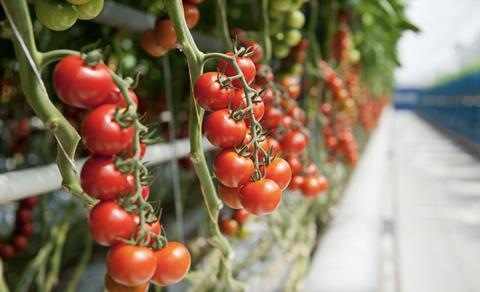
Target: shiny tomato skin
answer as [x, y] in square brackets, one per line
[272, 118]
[165, 34]
[150, 44]
[116, 97]
[292, 86]
[230, 196]
[294, 143]
[210, 94]
[241, 216]
[261, 197]
[246, 66]
[131, 265]
[173, 263]
[20, 242]
[7, 252]
[101, 179]
[153, 226]
[255, 48]
[295, 165]
[112, 286]
[296, 183]
[280, 172]
[228, 226]
[108, 222]
[102, 134]
[192, 15]
[79, 84]
[223, 131]
[232, 169]
[312, 186]
[240, 102]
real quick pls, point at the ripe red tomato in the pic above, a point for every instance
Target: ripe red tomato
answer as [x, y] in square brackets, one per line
[261, 197]
[255, 48]
[230, 196]
[192, 15]
[246, 66]
[116, 97]
[311, 168]
[232, 169]
[296, 183]
[165, 33]
[280, 172]
[102, 134]
[312, 186]
[25, 229]
[223, 131]
[298, 114]
[153, 226]
[274, 145]
[108, 222]
[79, 84]
[173, 263]
[272, 118]
[210, 94]
[112, 286]
[264, 76]
[241, 216]
[150, 44]
[101, 179]
[130, 151]
[228, 226]
[7, 252]
[292, 86]
[325, 108]
[240, 102]
[23, 216]
[295, 165]
[131, 265]
[20, 242]
[267, 94]
[29, 203]
[294, 143]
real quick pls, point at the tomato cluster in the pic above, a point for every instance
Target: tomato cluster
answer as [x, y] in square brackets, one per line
[234, 225]
[23, 229]
[248, 174]
[286, 20]
[162, 38]
[122, 219]
[61, 15]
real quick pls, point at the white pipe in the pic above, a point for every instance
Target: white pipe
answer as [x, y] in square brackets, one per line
[16, 185]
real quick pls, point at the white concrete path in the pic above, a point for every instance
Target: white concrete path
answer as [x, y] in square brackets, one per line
[410, 217]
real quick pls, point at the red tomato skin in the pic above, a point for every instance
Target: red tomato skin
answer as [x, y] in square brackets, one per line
[296, 183]
[79, 84]
[228, 226]
[292, 86]
[165, 34]
[294, 143]
[230, 196]
[223, 131]
[192, 15]
[108, 222]
[255, 48]
[232, 169]
[173, 263]
[101, 179]
[154, 227]
[7, 252]
[272, 118]
[116, 97]
[20, 242]
[241, 216]
[29, 203]
[102, 134]
[131, 265]
[311, 186]
[280, 172]
[112, 286]
[210, 94]
[246, 66]
[240, 102]
[261, 197]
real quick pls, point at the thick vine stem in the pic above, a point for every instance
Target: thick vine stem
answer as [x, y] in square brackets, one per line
[222, 23]
[265, 29]
[212, 203]
[34, 90]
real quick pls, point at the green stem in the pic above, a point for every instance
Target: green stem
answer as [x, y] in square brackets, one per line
[222, 23]
[265, 29]
[87, 252]
[37, 96]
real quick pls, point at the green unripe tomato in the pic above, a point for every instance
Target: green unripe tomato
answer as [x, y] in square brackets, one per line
[293, 37]
[295, 19]
[78, 2]
[280, 5]
[56, 14]
[296, 69]
[279, 36]
[90, 10]
[355, 55]
[276, 26]
[280, 50]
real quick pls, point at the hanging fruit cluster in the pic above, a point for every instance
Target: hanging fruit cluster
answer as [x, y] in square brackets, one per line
[234, 225]
[286, 20]
[23, 229]
[114, 175]
[162, 38]
[61, 15]
[245, 168]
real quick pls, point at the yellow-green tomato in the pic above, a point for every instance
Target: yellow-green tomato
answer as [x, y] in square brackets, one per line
[280, 5]
[295, 19]
[56, 14]
[78, 2]
[293, 37]
[280, 50]
[90, 10]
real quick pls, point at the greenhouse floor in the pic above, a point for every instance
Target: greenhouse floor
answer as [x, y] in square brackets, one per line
[410, 217]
